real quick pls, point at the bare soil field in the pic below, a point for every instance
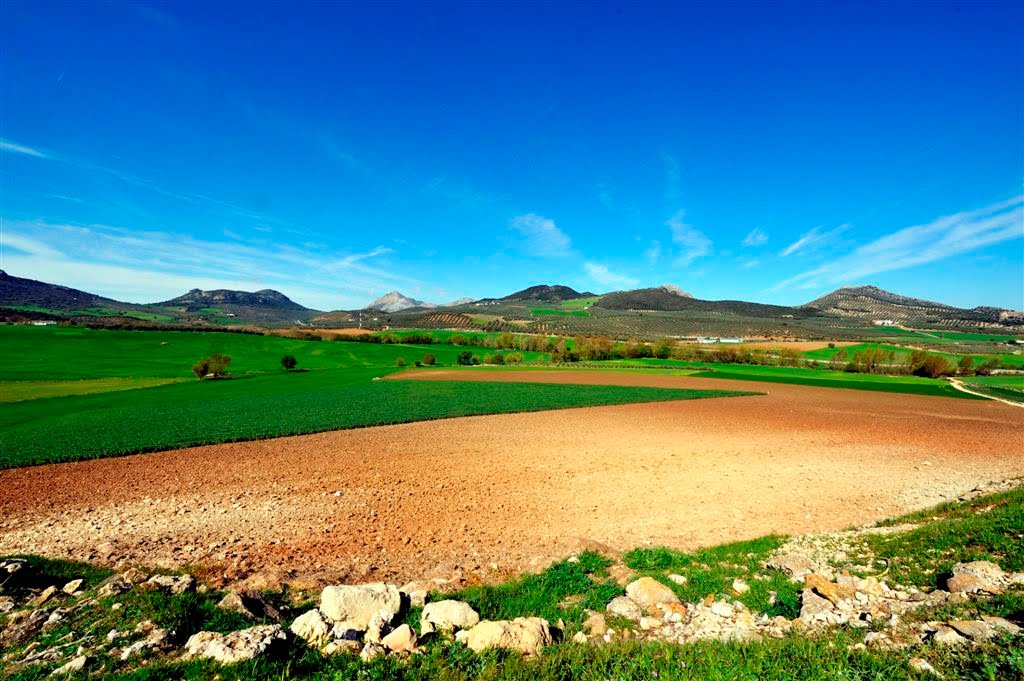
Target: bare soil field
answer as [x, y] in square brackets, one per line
[481, 497]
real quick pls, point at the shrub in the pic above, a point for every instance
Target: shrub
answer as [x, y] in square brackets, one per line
[288, 362]
[400, 362]
[933, 366]
[429, 360]
[465, 358]
[496, 358]
[966, 366]
[514, 358]
[215, 366]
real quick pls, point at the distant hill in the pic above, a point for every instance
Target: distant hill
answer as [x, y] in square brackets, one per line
[269, 298]
[460, 301]
[393, 301]
[872, 303]
[662, 299]
[548, 293]
[18, 292]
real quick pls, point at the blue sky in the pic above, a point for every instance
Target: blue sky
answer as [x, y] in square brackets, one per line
[334, 151]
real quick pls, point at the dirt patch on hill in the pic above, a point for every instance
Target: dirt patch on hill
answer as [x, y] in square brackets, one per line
[485, 496]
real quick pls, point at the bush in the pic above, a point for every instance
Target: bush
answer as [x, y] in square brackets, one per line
[214, 366]
[429, 360]
[400, 362]
[496, 358]
[288, 362]
[465, 358]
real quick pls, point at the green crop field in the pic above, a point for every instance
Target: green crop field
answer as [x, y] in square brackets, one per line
[259, 401]
[557, 312]
[902, 353]
[1008, 387]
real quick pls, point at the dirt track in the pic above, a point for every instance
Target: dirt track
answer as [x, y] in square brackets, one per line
[453, 497]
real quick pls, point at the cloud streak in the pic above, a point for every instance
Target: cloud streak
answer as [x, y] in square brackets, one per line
[153, 266]
[602, 275]
[540, 236]
[755, 238]
[692, 242]
[15, 148]
[812, 239]
[942, 238]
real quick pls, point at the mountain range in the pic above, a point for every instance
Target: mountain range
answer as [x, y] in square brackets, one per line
[545, 308]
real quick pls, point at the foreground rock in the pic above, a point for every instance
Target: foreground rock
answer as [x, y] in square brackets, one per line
[527, 635]
[649, 593]
[447, 616]
[353, 606]
[236, 646]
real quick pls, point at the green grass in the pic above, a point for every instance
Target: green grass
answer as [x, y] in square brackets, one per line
[902, 353]
[195, 413]
[711, 571]
[579, 303]
[987, 528]
[1001, 385]
[16, 391]
[551, 311]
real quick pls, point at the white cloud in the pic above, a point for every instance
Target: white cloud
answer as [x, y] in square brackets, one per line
[693, 242]
[911, 246]
[653, 252]
[541, 237]
[811, 239]
[153, 266]
[603, 275]
[749, 264]
[15, 148]
[756, 237]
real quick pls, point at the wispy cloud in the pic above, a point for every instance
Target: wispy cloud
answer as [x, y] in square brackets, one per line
[920, 244]
[602, 275]
[540, 236]
[653, 252]
[692, 242]
[15, 148]
[749, 263]
[812, 239]
[152, 266]
[755, 238]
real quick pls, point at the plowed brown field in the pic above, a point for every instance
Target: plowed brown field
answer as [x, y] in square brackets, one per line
[461, 496]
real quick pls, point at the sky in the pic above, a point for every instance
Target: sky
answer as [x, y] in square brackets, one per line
[764, 151]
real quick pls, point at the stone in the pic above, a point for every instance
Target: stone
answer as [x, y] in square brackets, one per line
[21, 626]
[681, 580]
[114, 586]
[7, 604]
[922, 666]
[947, 636]
[812, 606]
[595, 625]
[313, 628]
[447, 616]
[796, 565]
[175, 584]
[12, 565]
[236, 646]
[648, 623]
[378, 626]
[722, 609]
[73, 586]
[624, 606]
[648, 592]
[419, 590]
[371, 651]
[134, 576]
[974, 630]
[46, 594]
[345, 646]
[75, 665]
[739, 586]
[832, 591]
[976, 576]
[251, 604]
[1000, 623]
[579, 637]
[527, 635]
[401, 640]
[156, 639]
[354, 605]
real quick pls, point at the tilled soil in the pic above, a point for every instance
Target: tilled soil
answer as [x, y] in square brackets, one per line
[485, 496]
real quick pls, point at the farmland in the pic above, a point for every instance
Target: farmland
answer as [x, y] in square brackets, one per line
[261, 401]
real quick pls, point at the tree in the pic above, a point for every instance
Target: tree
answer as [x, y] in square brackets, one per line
[966, 366]
[214, 366]
[288, 362]
[663, 349]
[429, 360]
[465, 358]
